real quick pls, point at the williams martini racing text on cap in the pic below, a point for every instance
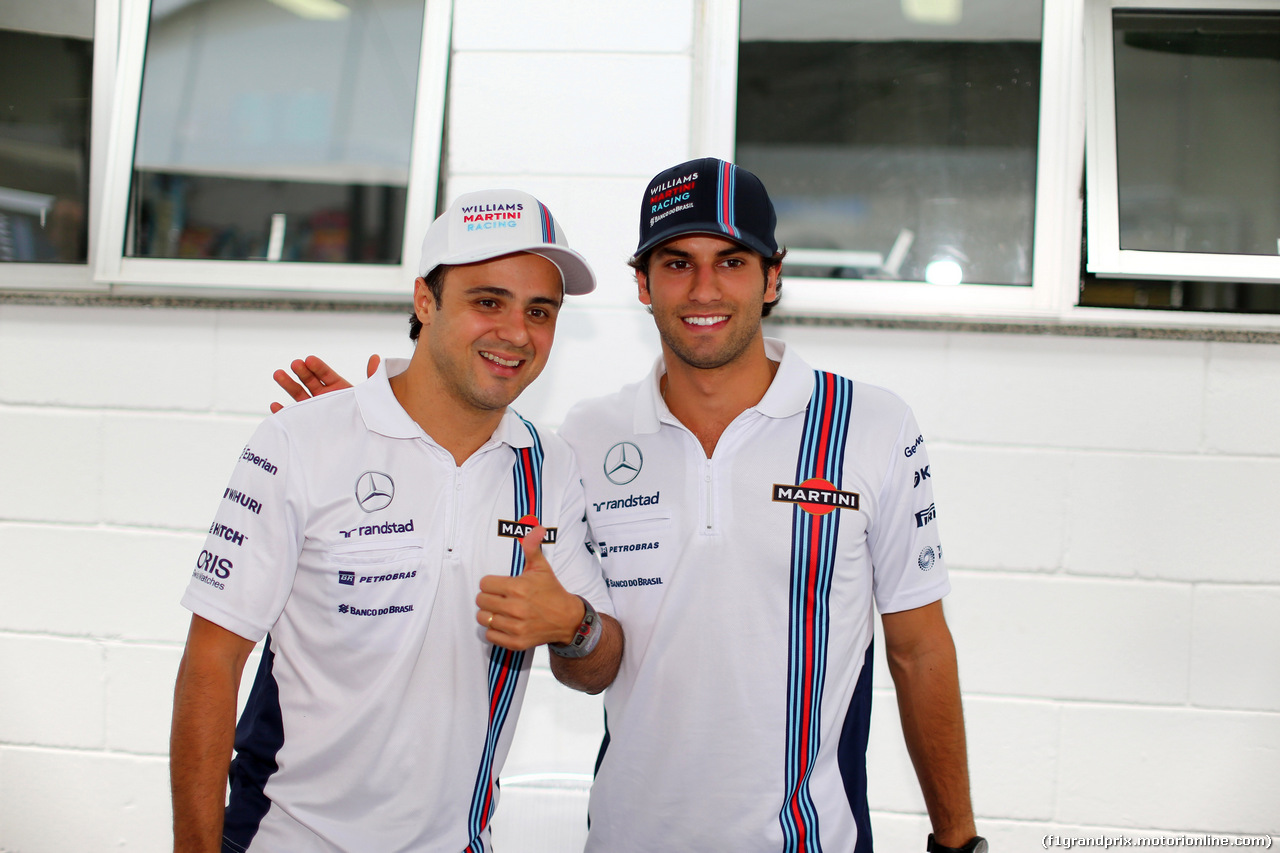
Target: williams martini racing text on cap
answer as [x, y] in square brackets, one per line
[484, 225]
[708, 196]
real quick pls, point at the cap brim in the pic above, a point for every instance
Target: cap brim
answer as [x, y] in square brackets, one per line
[710, 228]
[579, 280]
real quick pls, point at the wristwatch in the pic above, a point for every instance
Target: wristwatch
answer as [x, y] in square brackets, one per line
[977, 844]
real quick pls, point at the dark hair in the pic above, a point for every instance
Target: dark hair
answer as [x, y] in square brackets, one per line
[435, 283]
[641, 264]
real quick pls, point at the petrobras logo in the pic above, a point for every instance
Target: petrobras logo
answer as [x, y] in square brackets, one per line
[374, 491]
[378, 529]
[628, 502]
[347, 578]
[926, 515]
[623, 462]
[815, 496]
[254, 459]
[520, 529]
[486, 217]
[375, 611]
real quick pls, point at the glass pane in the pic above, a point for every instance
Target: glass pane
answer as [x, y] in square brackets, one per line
[275, 130]
[897, 136]
[1197, 131]
[46, 80]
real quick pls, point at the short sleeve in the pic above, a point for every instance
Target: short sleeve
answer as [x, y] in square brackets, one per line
[906, 551]
[576, 566]
[244, 573]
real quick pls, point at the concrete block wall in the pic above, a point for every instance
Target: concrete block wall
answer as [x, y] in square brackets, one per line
[1106, 504]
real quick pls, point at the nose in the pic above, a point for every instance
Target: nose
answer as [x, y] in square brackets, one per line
[513, 328]
[706, 283]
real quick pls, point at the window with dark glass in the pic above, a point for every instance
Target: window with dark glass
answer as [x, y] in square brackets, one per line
[46, 78]
[275, 130]
[898, 139]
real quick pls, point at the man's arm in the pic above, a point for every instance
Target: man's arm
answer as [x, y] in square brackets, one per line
[315, 377]
[534, 608]
[922, 660]
[203, 731]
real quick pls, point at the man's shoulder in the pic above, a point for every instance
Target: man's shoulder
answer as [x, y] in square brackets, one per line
[316, 411]
[596, 413]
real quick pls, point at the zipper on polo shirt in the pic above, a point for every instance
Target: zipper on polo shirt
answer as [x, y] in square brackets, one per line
[453, 507]
[706, 487]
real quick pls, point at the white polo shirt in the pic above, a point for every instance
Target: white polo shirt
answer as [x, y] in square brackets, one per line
[380, 716]
[746, 585]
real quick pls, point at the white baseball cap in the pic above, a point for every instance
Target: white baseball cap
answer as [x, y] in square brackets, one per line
[487, 224]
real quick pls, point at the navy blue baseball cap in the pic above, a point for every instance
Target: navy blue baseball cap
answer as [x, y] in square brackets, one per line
[708, 196]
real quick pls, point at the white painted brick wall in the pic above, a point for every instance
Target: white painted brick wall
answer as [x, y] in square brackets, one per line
[55, 692]
[1170, 768]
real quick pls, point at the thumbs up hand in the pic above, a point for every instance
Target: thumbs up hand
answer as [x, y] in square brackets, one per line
[521, 612]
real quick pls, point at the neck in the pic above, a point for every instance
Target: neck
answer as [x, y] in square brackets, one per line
[707, 400]
[459, 429]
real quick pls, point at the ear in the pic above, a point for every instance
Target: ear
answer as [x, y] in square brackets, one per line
[771, 283]
[424, 304]
[642, 287]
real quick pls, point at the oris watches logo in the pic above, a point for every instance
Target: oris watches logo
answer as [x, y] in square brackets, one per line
[374, 491]
[622, 463]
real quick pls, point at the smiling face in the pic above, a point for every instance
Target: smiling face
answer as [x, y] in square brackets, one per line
[707, 295]
[492, 332]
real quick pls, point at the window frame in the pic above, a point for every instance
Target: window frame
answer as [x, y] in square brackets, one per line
[234, 278]
[79, 276]
[1068, 80]
[1105, 256]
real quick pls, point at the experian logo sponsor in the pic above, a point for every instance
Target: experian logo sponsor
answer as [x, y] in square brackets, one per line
[254, 459]
[628, 502]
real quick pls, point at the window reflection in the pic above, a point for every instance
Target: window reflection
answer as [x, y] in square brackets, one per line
[898, 139]
[1197, 130]
[45, 83]
[275, 130]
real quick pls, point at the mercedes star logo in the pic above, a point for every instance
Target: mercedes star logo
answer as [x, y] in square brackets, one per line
[374, 491]
[622, 463]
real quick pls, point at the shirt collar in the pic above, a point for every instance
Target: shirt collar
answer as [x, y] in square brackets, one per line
[788, 394]
[383, 414]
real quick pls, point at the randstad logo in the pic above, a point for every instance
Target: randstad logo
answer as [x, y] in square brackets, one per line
[815, 496]
[628, 502]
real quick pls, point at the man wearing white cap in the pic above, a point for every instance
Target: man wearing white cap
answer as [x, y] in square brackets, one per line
[385, 540]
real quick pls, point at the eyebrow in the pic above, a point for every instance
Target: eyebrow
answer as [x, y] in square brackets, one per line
[493, 290]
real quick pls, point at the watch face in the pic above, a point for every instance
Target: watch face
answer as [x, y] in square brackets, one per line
[981, 846]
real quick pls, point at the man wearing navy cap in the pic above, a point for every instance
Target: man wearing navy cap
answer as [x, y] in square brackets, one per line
[388, 542]
[781, 506]
[751, 514]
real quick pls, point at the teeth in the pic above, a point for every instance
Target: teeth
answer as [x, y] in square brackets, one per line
[705, 321]
[502, 361]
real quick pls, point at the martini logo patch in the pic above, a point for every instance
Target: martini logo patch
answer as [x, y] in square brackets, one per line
[520, 529]
[815, 496]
